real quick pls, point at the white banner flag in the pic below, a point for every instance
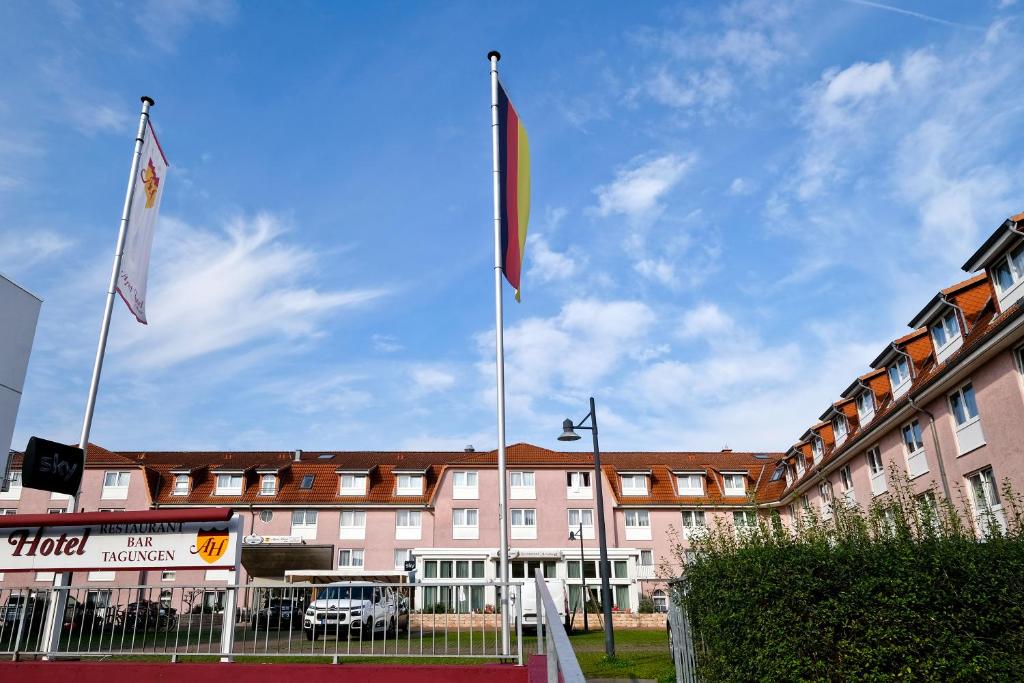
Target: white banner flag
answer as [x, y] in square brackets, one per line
[149, 188]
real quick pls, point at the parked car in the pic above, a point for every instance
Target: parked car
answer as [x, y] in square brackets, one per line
[278, 613]
[31, 608]
[145, 615]
[358, 609]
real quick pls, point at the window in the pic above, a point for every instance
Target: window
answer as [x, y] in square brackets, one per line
[744, 520]
[307, 482]
[115, 485]
[660, 600]
[638, 525]
[646, 558]
[825, 493]
[584, 517]
[8, 511]
[407, 525]
[846, 482]
[801, 463]
[13, 482]
[268, 484]
[350, 557]
[465, 485]
[56, 511]
[899, 377]
[1008, 274]
[521, 485]
[577, 485]
[735, 484]
[840, 428]
[589, 569]
[817, 448]
[228, 485]
[917, 463]
[866, 406]
[304, 523]
[180, 485]
[988, 509]
[876, 468]
[401, 555]
[465, 523]
[353, 485]
[101, 510]
[969, 435]
[694, 523]
[928, 511]
[690, 484]
[409, 485]
[524, 523]
[168, 576]
[945, 334]
[634, 484]
[353, 524]
[266, 516]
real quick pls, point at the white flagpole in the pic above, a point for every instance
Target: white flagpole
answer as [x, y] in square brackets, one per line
[101, 348]
[493, 58]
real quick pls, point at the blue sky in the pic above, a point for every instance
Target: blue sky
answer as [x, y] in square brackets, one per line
[735, 206]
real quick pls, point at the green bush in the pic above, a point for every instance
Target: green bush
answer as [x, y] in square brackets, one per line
[645, 605]
[901, 592]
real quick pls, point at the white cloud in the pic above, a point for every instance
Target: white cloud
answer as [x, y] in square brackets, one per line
[385, 343]
[19, 252]
[637, 189]
[165, 21]
[548, 265]
[741, 186]
[704, 88]
[212, 291]
[658, 270]
[705, 320]
[431, 379]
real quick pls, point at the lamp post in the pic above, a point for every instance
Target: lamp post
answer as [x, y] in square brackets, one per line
[604, 569]
[583, 576]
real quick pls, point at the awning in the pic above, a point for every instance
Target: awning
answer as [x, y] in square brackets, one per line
[314, 576]
[274, 560]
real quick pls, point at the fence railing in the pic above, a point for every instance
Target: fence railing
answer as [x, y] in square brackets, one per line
[337, 620]
[562, 664]
[680, 636]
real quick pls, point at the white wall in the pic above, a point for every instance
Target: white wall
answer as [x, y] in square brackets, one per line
[19, 312]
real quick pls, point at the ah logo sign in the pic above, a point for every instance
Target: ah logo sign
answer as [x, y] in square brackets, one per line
[52, 466]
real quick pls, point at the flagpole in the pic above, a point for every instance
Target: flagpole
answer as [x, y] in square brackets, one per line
[108, 309]
[493, 57]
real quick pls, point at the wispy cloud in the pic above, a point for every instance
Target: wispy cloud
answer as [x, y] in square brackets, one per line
[915, 15]
[21, 251]
[638, 188]
[166, 21]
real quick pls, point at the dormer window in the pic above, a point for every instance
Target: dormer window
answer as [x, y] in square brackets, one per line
[268, 484]
[841, 429]
[181, 485]
[690, 484]
[735, 484]
[353, 485]
[307, 482]
[409, 485]
[634, 484]
[817, 449]
[228, 485]
[866, 406]
[899, 376]
[1008, 274]
[946, 336]
[801, 464]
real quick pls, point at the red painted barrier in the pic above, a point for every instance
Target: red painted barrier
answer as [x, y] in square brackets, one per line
[105, 672]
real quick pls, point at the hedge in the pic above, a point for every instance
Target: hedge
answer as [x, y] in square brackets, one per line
[899, 592]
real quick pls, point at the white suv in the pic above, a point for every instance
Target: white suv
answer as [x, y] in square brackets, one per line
[351, 607]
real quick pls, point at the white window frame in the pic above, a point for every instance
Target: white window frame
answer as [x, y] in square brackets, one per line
[817, 449]
[408, 525]
[876, 471]
[989, 509]
[305, 528]
[969, 433]
[465, 523]
[352, 524]
[746, 523]
[465, 485]
[633, 489]
[356, 558]
[581, 515]
[404, 554]
[268, 490]
[684, 484]
[638, 525]
[946, 334]
[168, 575]
[523, 523]
[695, 523]
[901, 387]
[356, 484]
[119, 489]
[866, 415]
[579, 485]
[825, 493]
[408, 484]
[840, 434]
[178, 489]
[232, 488]
[846, 482]
[916, 455]
[522, 485]
[1015, 290]
[733, 490]
[801, 463]
[13, 491]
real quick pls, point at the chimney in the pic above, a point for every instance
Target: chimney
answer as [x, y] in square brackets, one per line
[298, 454]
[469, 449]
[726, 449]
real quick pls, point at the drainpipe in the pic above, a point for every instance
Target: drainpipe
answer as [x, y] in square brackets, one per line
[1015, 226]
[967, 325]
[938, 449]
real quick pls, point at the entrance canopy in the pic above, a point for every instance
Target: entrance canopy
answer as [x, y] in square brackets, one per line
[273, 561]
[307, 576]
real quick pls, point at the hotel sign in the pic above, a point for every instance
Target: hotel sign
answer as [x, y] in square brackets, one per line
[118, 544]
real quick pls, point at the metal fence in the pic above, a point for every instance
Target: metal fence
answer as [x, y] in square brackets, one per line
[562, 665]
[337, 620]
[680, 636]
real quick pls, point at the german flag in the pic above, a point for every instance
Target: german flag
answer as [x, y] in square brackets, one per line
[514, 177]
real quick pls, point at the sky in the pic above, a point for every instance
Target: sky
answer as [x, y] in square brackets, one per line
[735, 207]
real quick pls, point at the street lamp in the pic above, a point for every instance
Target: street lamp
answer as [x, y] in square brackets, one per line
[604, 568]
[583, 575]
